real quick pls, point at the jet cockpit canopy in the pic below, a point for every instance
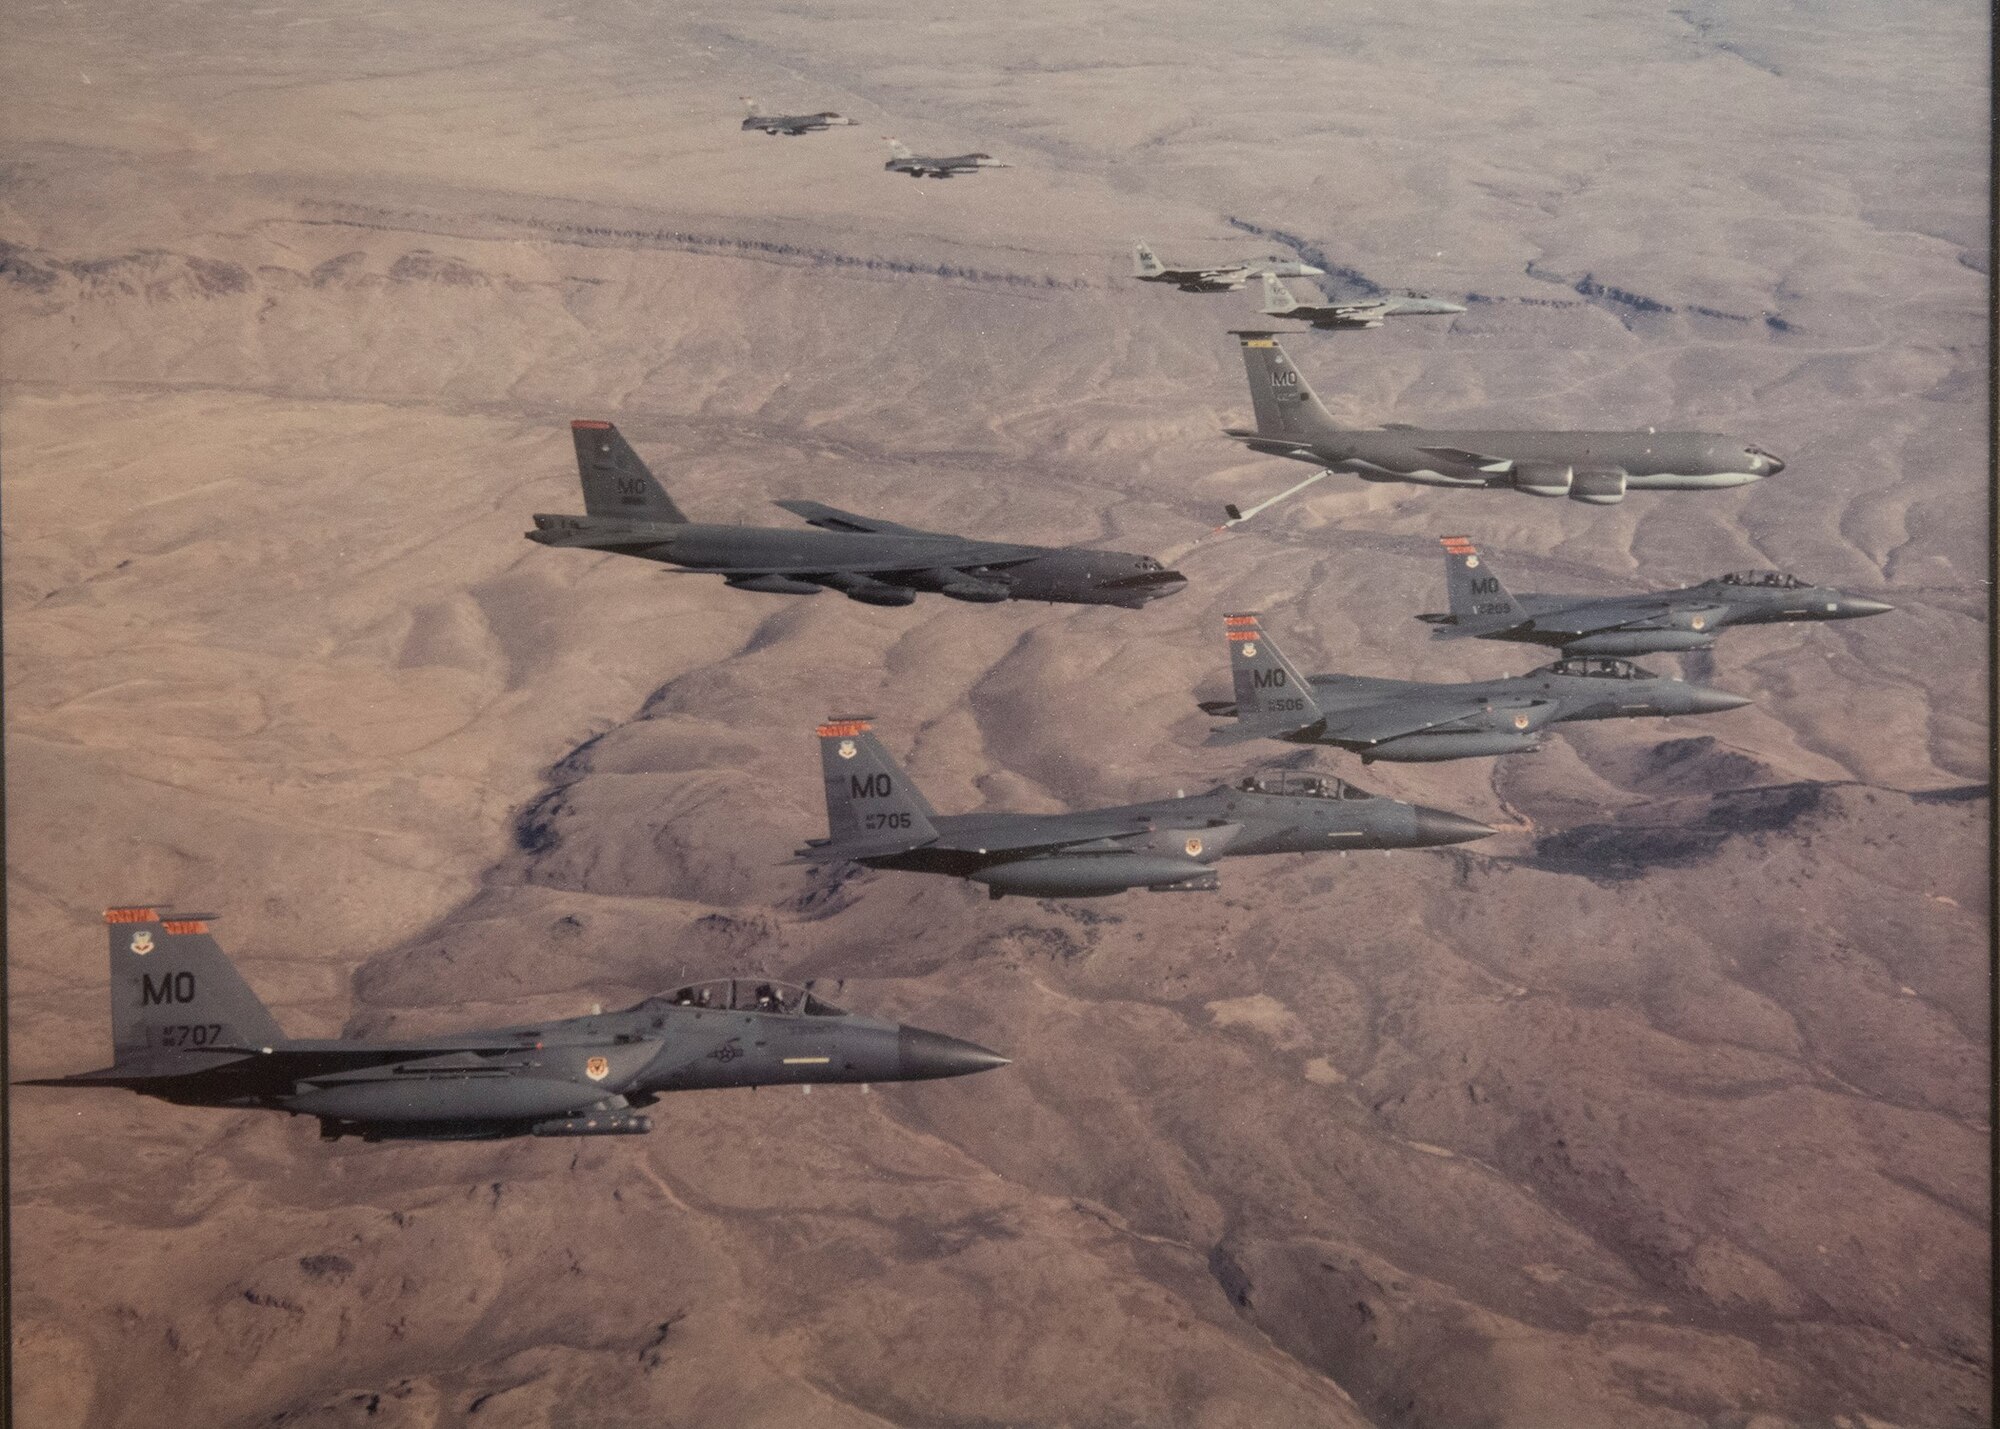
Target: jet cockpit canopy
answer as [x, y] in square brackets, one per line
[1598, 667]
[746, 994]
[1297, 784]
[1769, 580]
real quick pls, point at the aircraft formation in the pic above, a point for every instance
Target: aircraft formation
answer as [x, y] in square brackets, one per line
[186, 1027]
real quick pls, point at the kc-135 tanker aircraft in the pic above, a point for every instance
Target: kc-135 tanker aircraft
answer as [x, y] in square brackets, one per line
[1413, 721]
[874, 562]
[1597, 468]
[187, 1029]
[1650, 623]
[876, 816]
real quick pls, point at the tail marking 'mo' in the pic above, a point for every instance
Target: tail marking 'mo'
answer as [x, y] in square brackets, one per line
[1285, 403]
[1272, 697]
[615, 481]
[1477, 596]
[173, 989]
[869, 799]
[1144, 263]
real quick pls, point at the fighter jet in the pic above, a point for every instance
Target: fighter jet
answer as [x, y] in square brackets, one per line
[1410, 721]
[1668, 620]
[187, 1029]
[1148, 269]
[1593, 467]
[874, 562]
[923, 166]
[1364, 312]
[792, 124]
[878, 817]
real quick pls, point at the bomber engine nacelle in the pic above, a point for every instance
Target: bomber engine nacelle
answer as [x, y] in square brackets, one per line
[867, 590]
[1541, 478]
[772, 585]
[960, 586]
[1598, 488]
[1089, 875]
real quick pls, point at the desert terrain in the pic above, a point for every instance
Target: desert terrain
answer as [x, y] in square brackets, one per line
[1667, 1106]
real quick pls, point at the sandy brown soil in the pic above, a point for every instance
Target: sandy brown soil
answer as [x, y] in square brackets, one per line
[1667, 1107]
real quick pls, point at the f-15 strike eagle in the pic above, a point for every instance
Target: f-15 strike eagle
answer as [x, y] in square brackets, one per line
[924, 166]
[187, 1029]
[1659, 621]
[1411, 721]
[878, 817]
[1593, 467]
[874, 562]
[1227, 279]
[1357, 313]
[792, 124]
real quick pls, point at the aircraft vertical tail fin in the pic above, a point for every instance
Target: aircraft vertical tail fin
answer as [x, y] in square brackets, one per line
[173, 988]
[1278, 299]
[615, 481]
[1272, 697]
[750, 106]
[897, 149]
[1477, 596]
[1144, 263]
[869, 798]
[1285, 403]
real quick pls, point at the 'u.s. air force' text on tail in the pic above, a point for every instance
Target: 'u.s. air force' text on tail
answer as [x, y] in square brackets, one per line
[876, 816]
[1596, 468]
[876, 562]
[186, 1028]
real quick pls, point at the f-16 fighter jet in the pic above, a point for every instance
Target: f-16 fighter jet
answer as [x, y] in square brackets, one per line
[1361, 312]
[187, 1029]
[923, 166]
[1410, 721]
[792, 124]
[874, 562]
[1593, 467]
[876, 816]
[1148, 269]
[1668, 620]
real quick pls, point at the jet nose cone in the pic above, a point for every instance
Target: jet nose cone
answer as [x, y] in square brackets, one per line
[1703, 700]
[922, 1055]
[1773, 464]
[1855, 605]
[1435, 826]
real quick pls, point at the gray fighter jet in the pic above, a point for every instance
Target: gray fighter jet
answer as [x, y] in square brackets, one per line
[874, 562]
[1668, 620]
[1593, 467]
[1410, 721]
[877, 816]
[792, 124]
[1148, 269]
[924, 166]
[1360, 312]
[187, 1029]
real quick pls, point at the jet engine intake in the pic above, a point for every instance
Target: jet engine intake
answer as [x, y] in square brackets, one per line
[1598, 488]
[1540, 478]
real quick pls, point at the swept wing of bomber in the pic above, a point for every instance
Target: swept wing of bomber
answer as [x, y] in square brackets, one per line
[1482, 608]
[927, 166]
[875, 562]
[1593, 467]
[187, 1029]
[1358, 312]
[877, 816]
[1147, 268]
[1414, 721]
[791, 124]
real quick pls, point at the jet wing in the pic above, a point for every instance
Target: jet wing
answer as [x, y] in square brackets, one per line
[830, 851]
[1421, 713]
[1483, 460]
[832, 518]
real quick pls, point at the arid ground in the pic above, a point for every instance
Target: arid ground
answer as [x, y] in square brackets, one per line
[1665, 1107]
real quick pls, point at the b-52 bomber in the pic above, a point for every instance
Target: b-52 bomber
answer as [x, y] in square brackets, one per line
[1354, 313]
[1656, 622]
[792, 124]
[187, 1029]
[874, 562]
[877, 817]
[1597, 468]
[1227, 279]
[1412, 721]
[924, 166]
